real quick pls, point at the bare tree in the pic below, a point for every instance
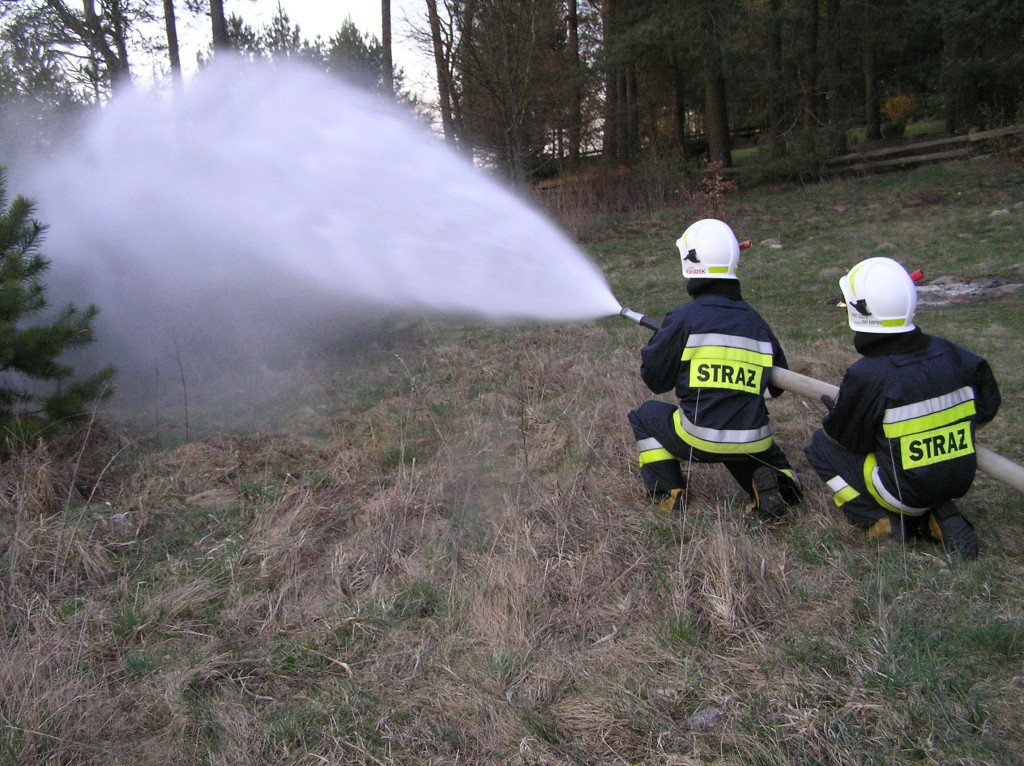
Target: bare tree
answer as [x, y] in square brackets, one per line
[387, 74]
[715, 102]
[510, 62]
[869, 68]
[173, 51]
[219, 25]
[442, 64]
[833, 78]
[576, 84]
[776, 146]
[103, 32]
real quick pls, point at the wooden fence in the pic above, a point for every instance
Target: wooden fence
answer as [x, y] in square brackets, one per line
[923, 152]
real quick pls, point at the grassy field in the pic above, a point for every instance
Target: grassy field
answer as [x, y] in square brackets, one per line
[436, 550]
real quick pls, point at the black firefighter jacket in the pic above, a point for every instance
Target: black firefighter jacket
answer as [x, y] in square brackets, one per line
[914, 401]
[716, 352]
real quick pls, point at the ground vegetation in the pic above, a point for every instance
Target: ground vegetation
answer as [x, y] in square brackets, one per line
[436, 549]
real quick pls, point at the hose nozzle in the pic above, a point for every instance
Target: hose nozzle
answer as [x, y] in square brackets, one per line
[640, 319]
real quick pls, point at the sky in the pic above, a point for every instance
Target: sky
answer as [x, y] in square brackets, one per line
[325, 17]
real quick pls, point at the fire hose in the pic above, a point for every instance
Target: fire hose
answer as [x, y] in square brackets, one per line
[993, 464]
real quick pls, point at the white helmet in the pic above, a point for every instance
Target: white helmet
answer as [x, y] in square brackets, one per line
[709, 249]
[880, 297]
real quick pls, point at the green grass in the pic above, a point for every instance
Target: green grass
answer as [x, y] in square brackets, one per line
[453, 561]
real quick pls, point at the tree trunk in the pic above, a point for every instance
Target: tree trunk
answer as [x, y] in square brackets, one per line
[716, 119]
[613, 147]
[833, 75]
[776, 111]
[172, 42]
[632, 127]
[679, 105]
[576, 95]
[960, 88]
[387, 74]
[809, 81]
[444, 80]
[872, 103]
[515, 146]
[220, 25]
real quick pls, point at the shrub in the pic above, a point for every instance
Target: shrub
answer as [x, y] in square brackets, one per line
[29, 347]
[898, 109]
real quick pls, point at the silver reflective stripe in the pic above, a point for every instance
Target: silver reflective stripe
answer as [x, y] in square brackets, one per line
[929, 406]
[725, 436]
[876, 481]
[732, 341]
[837, 484]
[648, 444]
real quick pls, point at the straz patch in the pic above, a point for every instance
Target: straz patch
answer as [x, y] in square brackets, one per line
[724, 373]
[927, 447]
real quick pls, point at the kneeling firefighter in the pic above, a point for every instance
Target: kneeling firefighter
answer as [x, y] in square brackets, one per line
[897, 445]
[716, 352]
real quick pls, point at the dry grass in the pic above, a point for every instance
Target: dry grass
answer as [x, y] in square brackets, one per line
[461, 568]
[501, 592]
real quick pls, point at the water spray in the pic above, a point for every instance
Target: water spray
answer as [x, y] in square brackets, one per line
[993, 464]
[271, 212]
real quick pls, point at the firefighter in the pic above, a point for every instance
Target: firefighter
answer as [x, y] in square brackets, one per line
[897, 444]
[716, 352]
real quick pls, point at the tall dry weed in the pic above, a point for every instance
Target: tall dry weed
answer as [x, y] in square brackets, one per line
[50, 548]
[733, 582]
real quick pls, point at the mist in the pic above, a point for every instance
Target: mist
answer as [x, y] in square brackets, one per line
[266, 206]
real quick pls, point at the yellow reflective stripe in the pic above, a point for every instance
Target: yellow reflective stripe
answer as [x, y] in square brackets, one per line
[718, 269]
[731, 435]
[882, 496]
[727, 353]
[732, 447]
[734, 376]
[842, 492]
[869, 469]
[915, 413]
[929, 422]
[937, 445]
[655, 456]
[851, 277]
[726, 448]
[699, 339]
[844, 496]
[893, 322]
[732, 362]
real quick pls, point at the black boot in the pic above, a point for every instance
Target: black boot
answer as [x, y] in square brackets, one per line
[768, 502]
[956, 533]
[674, 501]
[894, 525]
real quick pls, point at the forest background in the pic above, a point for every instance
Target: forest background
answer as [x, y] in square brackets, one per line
[537, 89]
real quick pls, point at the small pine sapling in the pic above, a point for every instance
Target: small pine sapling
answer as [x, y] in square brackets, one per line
[37, 391]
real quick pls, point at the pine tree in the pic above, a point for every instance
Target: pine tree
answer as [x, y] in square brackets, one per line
[29, 346]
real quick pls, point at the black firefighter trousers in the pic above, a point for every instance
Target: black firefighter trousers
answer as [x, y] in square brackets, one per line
[654, 420]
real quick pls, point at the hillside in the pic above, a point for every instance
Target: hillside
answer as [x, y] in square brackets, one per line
[433, 548]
